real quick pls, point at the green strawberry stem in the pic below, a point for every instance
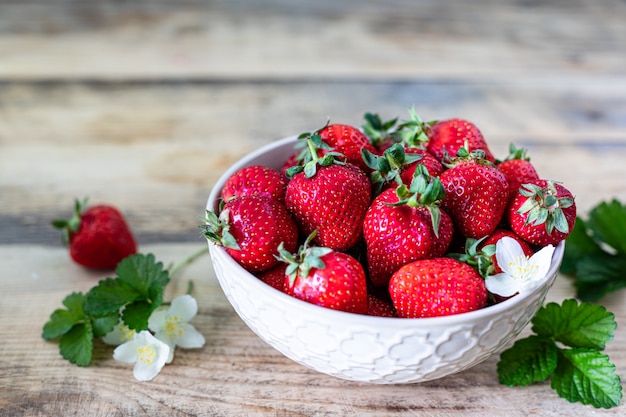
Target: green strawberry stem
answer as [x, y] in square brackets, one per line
[388, 167]
[516, 153]
[306, 258]
[414, 132]
[425, 191]
[311, 158]
[175, 269]
[216, 229]
[377, 130]
[464, 155]
[481, 260]
[73, 224]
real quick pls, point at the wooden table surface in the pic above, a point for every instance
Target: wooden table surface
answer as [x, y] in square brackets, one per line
[143, 104]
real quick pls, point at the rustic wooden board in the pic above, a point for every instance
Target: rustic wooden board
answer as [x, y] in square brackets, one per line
[156, 150]
[347, 39]
[236, 373]
[144, 103]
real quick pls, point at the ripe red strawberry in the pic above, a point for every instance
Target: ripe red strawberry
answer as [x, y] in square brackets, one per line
[436, 287]
[347, 140]
[380, 308]
[98, 236]
[326, 278]
[476, 195]
[330, 197]
[543, 212]
[251, 228]
[256, 179]
[275, 276]
[448, 136]
[517, 169]
[403, 225]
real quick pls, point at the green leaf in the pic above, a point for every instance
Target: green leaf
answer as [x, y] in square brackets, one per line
[577, 245]
[62, 320]
[577, 325]
[529, 360]
[587, 376]
[109, 296]
[608, 224]
[103, 325]
[136, 315]
[598, 275]
[77, 345]
[144, 275]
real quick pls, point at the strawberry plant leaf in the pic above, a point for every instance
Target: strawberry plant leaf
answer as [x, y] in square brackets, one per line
[529, 360]
[135, 315]
[143, 274]
[109, 296]
[62, 320]
[595, 251]
[578, 244]
[580, 374]
[598, 275]
[103, 325]
[576, 325]
[587, 376]
[77, 344]
[607, 222]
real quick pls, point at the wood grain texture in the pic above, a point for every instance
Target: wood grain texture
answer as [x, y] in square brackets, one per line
[275, 38]
[144, 103]
[156, 150]
[236, 373]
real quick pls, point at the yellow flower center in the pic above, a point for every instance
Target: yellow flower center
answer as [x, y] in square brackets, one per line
[174, 327]
[126, 334]
[146, 355]
[522, 269]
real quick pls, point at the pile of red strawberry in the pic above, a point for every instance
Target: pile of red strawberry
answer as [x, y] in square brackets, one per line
[397, 219]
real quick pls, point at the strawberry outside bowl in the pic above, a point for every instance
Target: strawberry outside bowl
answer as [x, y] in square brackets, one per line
[364, 348]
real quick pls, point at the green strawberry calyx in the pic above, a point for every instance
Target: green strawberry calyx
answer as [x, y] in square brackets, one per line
[309, 155]
[71, 226]
[413, 132]
[463, 155]
[425, 191]
[516, 153]
[544, 206]
[306, 258]
[479, 259]
[377, 130]
[389, 166]
[217, 230]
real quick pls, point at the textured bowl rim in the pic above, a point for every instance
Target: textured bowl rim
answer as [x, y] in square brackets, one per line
[362, 319]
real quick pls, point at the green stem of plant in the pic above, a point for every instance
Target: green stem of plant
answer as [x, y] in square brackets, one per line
[177, 268]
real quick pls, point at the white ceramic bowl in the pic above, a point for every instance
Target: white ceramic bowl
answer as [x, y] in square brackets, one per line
[364, 348]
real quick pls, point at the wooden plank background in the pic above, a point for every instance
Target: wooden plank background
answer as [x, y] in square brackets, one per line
[143, 104]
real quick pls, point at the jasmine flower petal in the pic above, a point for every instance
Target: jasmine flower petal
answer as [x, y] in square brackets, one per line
[120, 334]
[191, 338]
[501, 284]
[171, 325]
[519, 273]
[147, 353]
[185, 307]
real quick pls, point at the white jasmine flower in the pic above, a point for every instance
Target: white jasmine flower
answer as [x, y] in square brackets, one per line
[120, 334]
[519, 272]
[171, 325]
[146, 352]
